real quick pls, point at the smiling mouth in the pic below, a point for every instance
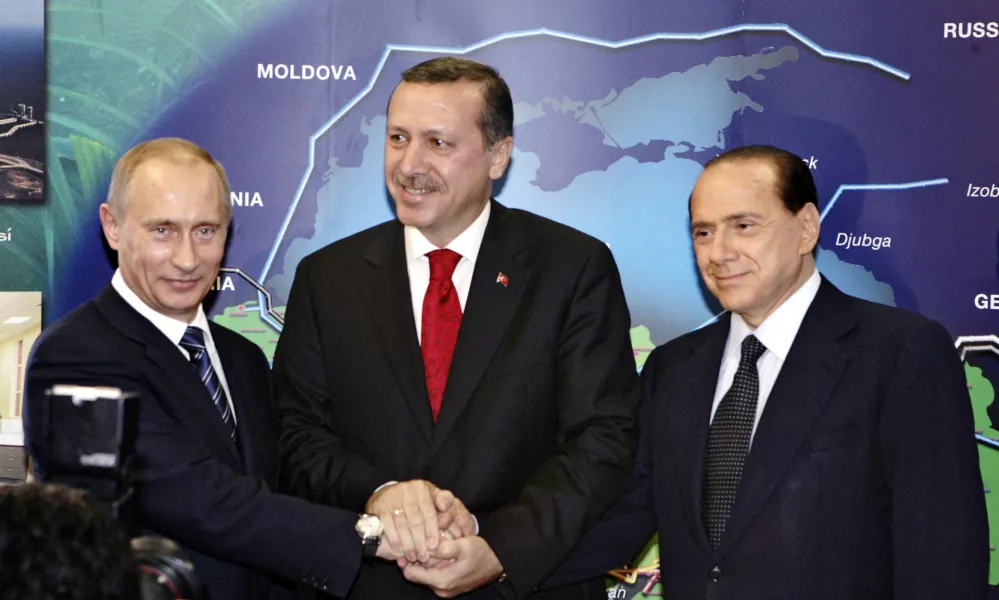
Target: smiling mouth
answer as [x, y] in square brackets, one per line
[183, 283]
[727, 278]
[417, 191]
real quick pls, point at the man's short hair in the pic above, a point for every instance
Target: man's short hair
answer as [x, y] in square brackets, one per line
[795, 186]
[172, 149]
[58, 544]
[496, 121]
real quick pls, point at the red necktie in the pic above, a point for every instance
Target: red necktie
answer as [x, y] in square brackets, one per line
[441, 322]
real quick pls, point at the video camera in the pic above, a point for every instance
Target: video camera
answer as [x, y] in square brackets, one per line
[88, 442]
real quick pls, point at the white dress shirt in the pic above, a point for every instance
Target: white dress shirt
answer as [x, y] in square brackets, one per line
[776, 333]
[467, 244]
[174, 331]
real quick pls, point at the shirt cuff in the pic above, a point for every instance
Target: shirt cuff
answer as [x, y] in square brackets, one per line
[383, 486]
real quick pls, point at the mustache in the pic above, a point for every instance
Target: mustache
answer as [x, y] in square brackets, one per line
[418, 182]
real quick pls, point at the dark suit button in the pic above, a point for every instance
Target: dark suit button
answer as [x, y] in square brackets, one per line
[715, 574]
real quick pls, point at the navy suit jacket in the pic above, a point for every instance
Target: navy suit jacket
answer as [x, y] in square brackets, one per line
[195, 485]
[862, 481]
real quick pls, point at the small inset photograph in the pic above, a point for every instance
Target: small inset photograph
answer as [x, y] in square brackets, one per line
[20, 326]
[22, 100]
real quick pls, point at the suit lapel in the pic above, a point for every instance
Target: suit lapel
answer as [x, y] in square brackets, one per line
[488, 312]
[807, 379]
[389, 299]
[690, 395]
[246, 419]
[183, 394]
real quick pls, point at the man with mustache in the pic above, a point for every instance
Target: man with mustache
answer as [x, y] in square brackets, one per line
[808, 444]
[206, 447]
[464, 345]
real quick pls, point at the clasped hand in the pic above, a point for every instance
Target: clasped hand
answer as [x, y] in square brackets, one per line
[416, 515]
[432, 537]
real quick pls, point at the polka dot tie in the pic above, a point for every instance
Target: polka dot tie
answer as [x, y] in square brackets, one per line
[728, 442]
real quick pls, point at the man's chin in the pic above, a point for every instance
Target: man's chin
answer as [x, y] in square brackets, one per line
[184, 303]
[410, 217]
[731, 303]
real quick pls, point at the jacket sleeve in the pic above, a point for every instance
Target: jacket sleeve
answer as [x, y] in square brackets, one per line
[628, 526]
[939, 520]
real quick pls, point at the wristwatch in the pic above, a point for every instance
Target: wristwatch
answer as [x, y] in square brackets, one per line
[369, 528]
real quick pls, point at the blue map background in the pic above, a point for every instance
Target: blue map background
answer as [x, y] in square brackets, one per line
[683, 102]
[677, 104]
[611, 140]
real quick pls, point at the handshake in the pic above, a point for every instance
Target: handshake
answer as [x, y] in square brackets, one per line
[431, 536]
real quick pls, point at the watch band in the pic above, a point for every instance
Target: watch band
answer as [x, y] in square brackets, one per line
[369, 547]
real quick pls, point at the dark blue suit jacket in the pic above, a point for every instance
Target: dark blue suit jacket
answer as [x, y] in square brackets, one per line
[195, 485]
[862, 481]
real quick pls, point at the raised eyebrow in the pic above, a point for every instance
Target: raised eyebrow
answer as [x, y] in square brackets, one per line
[699, 224]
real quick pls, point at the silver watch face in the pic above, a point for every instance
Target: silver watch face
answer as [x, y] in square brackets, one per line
[369, 526]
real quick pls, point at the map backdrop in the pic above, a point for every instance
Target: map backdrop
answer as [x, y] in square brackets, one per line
[618, 106]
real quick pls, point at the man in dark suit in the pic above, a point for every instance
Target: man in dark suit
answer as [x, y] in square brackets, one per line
[206, 445]
[473, 346]
[809, 444]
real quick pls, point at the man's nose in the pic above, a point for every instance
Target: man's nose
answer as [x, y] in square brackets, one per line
[184, 257]
[722, 248]
[413, 160]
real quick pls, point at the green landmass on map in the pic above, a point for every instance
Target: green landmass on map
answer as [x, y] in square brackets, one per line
[646, 562]
[982, 396]
[641, 343]
[245, 320]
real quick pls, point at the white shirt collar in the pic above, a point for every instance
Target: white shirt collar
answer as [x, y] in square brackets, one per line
[467, 243]
[777, 332]
[172, 328]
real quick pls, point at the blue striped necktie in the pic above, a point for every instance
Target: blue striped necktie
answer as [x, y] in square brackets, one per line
[194, 342]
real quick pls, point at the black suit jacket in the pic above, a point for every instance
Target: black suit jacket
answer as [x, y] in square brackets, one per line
[195, 485]
[536, 430]
[862, 481]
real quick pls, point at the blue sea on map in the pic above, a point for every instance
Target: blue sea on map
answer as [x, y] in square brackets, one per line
[609, 141]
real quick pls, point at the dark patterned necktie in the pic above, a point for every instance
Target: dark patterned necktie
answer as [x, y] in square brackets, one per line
[728, 442]
[194, 342]
[441, 322]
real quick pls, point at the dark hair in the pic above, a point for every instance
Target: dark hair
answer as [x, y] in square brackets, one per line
[56, 543]
[496, 121]
[795, 186]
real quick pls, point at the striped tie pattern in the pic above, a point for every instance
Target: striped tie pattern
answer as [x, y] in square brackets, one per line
[728, 442]
[194, 342]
